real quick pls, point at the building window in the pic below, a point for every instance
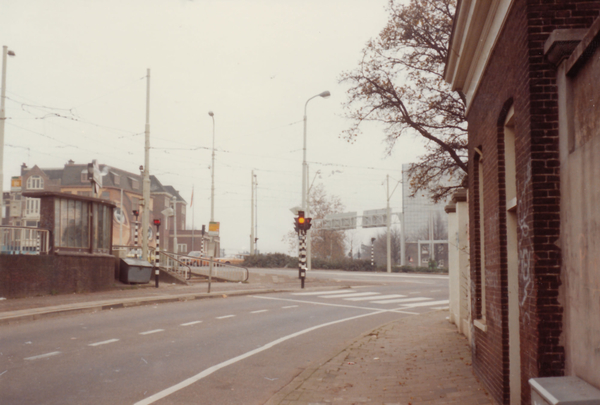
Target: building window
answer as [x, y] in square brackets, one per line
[32, 207]
[135, 184]
[182, 248]
[71, 223]
[84, 176]
[35, 183]
[85, 193]
[116, 179]
[105, 195]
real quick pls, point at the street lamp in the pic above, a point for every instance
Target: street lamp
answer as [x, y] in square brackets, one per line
[212, 175]
[5, 53]
[324, 94]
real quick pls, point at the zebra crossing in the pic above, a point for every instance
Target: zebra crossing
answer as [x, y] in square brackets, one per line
[378, 299]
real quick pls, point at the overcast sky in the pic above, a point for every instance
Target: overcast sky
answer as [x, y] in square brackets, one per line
[77, 90]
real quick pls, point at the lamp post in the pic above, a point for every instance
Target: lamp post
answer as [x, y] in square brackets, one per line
[324, 94]
[212, 175]
[146, 173]
[5, 53]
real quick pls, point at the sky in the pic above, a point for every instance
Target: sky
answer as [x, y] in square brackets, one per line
[76, 89]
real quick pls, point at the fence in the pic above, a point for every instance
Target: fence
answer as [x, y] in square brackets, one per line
[21, 240]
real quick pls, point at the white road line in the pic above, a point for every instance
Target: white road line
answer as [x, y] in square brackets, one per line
[190, 323]
[152, 331]
[435, 290]
[41, 356]
[380, 297]
[323, 292]
[415, 292]
[258, 312]
[210, 370]
[398, 301]
[440, 308]
[290, 306]
[356, 294]
[225, 316]
[426, 304]
[105, 342]
[398, 310]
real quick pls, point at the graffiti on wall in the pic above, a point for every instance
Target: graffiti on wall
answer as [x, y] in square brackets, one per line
[524, 245]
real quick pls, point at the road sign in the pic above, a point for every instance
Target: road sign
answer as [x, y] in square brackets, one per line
[213, 228]
[374, 218]
[339, 222]
[15, 183]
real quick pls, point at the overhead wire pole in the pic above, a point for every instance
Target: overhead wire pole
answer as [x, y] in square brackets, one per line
[5, 53]
[146, 183]
[388, 223]
[252, 214]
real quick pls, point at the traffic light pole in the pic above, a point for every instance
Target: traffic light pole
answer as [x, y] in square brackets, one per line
[302, 257]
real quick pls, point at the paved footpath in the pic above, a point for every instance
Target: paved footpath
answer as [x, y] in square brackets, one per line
[414, 361]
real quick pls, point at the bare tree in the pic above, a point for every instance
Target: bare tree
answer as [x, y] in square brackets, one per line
[399, 83]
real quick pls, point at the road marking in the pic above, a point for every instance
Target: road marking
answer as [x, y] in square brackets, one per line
[290, 306]
[258, 312]
[323, 292]
[435, 290]
[152, 331]
[440, 308]
[415, 292]
[164, 393]
[41, 356]
[105, 342]
[426, 304]
[356, 294]
[190, 323]
[398, 301]
[398, 310]
[380, 297]
[225, 316]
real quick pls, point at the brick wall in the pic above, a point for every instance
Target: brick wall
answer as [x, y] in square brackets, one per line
[518, 75]
[31, 275]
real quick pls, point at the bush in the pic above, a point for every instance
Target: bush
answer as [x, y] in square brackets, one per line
[280, 260]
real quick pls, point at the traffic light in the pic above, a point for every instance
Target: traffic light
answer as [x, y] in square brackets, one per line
[299, 222]
[307, 223]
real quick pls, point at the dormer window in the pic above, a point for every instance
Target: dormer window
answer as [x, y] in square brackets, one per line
[135, 184]
[116, 179]
[35, 183]
[84, 176]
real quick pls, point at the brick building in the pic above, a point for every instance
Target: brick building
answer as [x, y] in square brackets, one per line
[534, 278]
[72, 179]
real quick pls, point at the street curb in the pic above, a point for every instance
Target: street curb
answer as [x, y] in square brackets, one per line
[297, 381]
[12, 317]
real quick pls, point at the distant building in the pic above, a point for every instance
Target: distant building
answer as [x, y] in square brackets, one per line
[425, 226]
[119, 186]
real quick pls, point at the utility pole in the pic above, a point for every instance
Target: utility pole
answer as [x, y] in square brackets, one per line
[5, 53]
[388, 221]
[252, 216]
[146, 183]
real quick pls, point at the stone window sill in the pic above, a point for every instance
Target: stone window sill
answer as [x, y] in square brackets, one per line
[481, 324]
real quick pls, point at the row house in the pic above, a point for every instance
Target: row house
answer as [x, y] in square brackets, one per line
[122, 188]
[529, 71]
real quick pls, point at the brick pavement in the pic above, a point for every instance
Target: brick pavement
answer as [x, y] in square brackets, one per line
[418, 360]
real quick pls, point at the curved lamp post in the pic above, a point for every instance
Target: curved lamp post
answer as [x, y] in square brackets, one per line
[324, 94]
[212, 176]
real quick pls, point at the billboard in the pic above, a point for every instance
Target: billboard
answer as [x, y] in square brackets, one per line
[339, 222]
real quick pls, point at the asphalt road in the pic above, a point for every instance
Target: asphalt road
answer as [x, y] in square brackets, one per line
[238, 350]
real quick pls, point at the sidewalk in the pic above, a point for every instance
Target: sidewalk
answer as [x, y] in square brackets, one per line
[418, 360]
